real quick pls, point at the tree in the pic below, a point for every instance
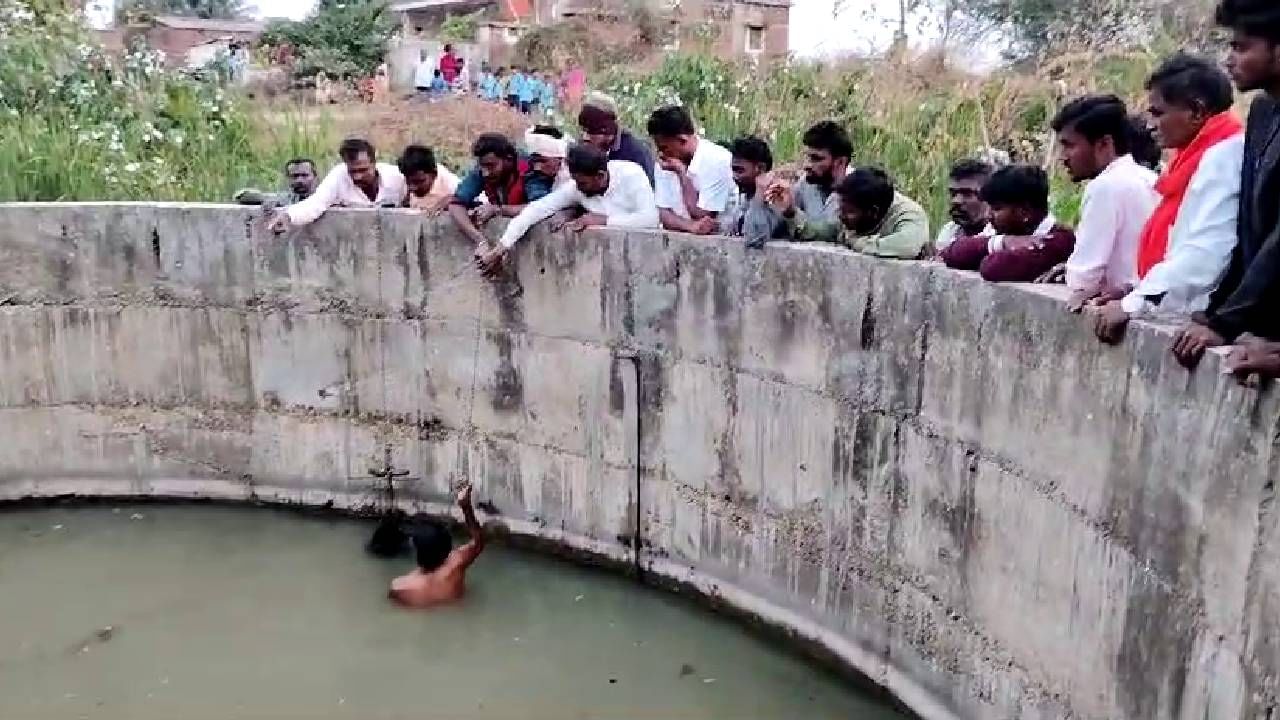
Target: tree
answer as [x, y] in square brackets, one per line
[1035, 28]
[342, 38]
[224, 9]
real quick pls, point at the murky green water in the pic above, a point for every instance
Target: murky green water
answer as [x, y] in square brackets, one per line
[221, 614]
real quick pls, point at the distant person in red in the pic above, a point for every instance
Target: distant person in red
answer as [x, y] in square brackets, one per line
[449, 65]
[441, 575]
[1028, 241]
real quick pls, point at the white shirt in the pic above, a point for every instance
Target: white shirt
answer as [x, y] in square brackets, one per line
[1201, 240]
[627, 202]
[951, 231]
[712, 174]
[425, 73]
[1117, 205]
[337, 190]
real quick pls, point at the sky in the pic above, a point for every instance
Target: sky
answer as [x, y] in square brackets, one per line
[814, 29]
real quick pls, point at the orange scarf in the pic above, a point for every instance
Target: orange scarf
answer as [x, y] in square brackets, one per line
[1173, 185]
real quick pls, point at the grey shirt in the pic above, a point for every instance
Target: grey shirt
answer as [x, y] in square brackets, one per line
[754, 221]
[817, 217]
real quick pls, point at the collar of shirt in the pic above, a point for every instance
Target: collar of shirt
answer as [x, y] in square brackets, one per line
[1046, 226]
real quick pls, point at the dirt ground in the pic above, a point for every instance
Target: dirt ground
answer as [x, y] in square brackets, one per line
[448, 126]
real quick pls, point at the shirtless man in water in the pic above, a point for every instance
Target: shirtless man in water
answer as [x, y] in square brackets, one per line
[441, 573]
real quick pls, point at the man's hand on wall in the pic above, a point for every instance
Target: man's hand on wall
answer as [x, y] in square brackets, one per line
[279, 222]
[489, 260]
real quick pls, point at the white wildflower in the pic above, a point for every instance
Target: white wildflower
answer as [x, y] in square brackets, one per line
[132, 167]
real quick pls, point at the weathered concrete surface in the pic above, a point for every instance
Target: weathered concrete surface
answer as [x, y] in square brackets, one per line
[949, 484]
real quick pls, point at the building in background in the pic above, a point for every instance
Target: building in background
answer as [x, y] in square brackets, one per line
[730, 28]
[186, 41]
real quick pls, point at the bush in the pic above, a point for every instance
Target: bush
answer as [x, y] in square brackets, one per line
[79, 128]
[343, 38]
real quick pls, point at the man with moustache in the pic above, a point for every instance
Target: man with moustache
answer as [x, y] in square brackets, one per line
[970, 215]
[811, 208]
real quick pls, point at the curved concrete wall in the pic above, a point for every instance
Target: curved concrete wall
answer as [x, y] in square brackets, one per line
[949, 484]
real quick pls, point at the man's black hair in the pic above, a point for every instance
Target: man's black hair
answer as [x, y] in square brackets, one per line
[829, 136]
[1143, 146]
[353, 148]
[1193, 82]
[432, 542]
[752, 149]
[587, 159]
[389, 539]
[548, 130]
[972, 168]
[301, 161]
[417, 158]
[1018, 185]
[1096, 117]
[866, 188]
[671, 121]
[493, 143]
[1257, 18]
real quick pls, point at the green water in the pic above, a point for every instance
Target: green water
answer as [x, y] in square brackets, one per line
[223, 614]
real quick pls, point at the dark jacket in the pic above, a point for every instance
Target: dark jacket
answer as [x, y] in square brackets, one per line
[1248, 299]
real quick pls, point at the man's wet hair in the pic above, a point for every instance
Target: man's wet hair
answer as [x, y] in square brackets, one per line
[389, 538]
[587, 159]
[495, 144]
[1192, 82]
[417, 158]
[432, 542]
[972, 168]
[352, 148]
[671, 121]
[866, 188]
[830, 137]
[754, 150]
[1018, 186]
[1097, 116]
[1256, 18]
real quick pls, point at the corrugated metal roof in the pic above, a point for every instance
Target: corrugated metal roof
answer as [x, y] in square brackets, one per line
[178, 22]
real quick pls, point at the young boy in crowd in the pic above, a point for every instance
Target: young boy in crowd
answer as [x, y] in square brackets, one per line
[694, 178]
[441, 575]
[1097, 136]
[1028, 242]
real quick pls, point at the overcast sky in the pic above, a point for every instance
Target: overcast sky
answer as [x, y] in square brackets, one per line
[814, 30]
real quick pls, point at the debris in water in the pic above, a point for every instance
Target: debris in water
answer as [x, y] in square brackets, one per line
[342, 701]
[613, 681]
[106, 633]
[579, 598]
[686, 670]
[708, 681]
[136, 516]
[57, 527]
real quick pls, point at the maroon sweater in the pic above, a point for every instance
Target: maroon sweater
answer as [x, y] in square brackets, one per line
[970, 253]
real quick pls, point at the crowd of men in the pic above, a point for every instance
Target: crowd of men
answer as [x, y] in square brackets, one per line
[1199, 242]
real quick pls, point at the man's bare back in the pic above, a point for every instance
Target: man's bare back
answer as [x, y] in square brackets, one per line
[436, 582]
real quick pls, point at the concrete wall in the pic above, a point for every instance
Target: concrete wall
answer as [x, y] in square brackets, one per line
[949, 484]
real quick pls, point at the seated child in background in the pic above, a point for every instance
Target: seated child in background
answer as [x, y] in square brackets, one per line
[1029, 242]
[441, 573]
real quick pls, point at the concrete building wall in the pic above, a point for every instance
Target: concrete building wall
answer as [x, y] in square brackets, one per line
[950, 485]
